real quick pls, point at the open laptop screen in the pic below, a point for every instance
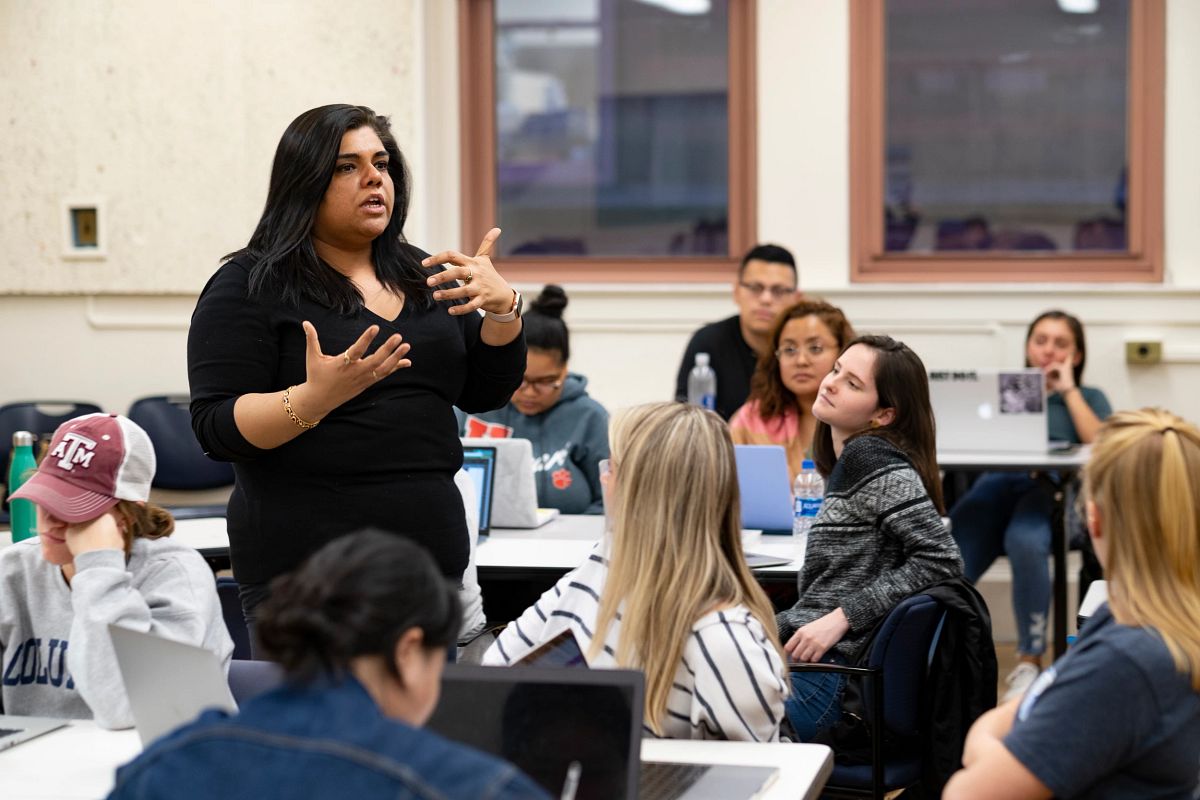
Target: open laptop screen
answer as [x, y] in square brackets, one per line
[543, 718]
[480, 464]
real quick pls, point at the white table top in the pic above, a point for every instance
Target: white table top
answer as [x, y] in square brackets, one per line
[80, 761]
[1015, 460]
[563, 543]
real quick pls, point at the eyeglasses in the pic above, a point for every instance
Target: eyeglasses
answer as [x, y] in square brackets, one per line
[541, 385]
[776, 292]
[813, 350]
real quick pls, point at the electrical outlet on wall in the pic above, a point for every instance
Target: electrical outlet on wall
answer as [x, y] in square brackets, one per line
[1143, 351]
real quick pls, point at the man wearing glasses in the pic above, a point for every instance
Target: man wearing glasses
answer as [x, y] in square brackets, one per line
[766, 284]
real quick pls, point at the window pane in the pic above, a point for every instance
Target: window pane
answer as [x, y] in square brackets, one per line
[1006, 125]
[612, 127]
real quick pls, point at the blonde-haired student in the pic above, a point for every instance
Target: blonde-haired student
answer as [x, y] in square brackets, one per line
[668, 591]
[1119, 714]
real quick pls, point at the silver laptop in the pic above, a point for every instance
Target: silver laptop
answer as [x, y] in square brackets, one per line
[552, 722]
[168, 683]
[762, 472]
[989, 410]
[514, 500]
[14, 730]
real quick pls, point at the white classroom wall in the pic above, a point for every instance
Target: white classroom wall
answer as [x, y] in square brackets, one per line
[169, 113]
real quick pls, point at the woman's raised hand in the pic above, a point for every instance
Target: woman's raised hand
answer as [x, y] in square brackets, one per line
[332, 380]
[482, 285]
[1060, 377]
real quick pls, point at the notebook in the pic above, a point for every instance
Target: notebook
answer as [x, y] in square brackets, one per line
[168, 683]
[989, 410]
[764, 484]
[514, 499]
[14, 730]
[480, 465]
[545, 719]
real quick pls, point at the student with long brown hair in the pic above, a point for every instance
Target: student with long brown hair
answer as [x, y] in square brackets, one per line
[804, 342]
[1119, 714]
[879, 537]
[668, 590]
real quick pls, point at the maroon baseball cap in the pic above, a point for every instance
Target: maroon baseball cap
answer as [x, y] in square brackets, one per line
[93, 462]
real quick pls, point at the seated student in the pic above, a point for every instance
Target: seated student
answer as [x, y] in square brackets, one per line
[804, 343]
[361, 631]
[1009, 512]
[879, 537]
[668, 590]
[100, 558]
[568, 429]
[1119, 714]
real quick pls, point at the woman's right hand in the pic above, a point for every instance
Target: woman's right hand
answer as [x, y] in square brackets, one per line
[332, 380]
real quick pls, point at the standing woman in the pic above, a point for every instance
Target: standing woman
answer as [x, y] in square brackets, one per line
[552, 409]
[805, 341]
[1009, 512]
[299, 358]
[879, 537]
[1119, 714]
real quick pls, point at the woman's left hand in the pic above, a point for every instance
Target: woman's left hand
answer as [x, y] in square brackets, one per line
[813, 640]
[1060, 377]
[482, 285]
[101, 533]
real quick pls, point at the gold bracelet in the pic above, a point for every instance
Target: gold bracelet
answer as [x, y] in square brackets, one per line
[287, 406]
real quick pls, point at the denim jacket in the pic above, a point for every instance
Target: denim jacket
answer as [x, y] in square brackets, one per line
[322, 740]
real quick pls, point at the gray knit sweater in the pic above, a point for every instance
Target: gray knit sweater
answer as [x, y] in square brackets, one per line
[878, 539]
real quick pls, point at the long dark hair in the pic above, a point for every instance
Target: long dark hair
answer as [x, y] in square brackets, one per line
[774, 399]
[544, 326]
[356, 596]
[1076, 330]
[902, 384]
[286, 265]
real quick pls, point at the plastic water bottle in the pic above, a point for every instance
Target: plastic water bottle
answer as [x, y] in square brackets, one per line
[702, 384]
[809, 493]
[23, 514]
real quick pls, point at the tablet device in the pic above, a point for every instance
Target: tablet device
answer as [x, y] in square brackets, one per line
[561, 651]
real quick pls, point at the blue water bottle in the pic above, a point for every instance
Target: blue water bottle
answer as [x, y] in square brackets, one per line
[23, 513]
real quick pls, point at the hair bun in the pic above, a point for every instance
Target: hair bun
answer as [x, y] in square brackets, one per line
[551, 301]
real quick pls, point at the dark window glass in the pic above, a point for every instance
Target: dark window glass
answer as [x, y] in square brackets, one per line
[612, 127]
[1006, 125]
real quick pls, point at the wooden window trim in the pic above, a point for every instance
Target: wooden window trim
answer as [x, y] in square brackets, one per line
[478, 157]
[1143, 261]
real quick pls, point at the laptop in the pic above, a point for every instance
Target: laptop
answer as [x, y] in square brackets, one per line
[480, 465]
[15, 730]
[550, 722]
[765, 488]
[514, 499]
[168, 683]
[990, 410]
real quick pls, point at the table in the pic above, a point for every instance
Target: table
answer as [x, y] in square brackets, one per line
[80, 761]
[1056, 470]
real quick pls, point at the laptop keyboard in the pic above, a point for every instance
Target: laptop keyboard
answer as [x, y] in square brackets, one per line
[661, 780]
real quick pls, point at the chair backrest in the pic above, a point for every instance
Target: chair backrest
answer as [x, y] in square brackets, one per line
[902, 649]
[250, 678]
[235, 619]
[39, 417]
[182, 463]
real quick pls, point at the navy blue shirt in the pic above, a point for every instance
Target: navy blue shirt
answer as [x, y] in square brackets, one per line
[1113, 718]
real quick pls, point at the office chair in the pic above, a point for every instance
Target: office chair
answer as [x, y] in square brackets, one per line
[182, 464]
[893, 684]
[248, 679]
[39, 417]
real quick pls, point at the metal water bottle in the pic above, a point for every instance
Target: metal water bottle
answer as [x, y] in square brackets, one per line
[23, 513]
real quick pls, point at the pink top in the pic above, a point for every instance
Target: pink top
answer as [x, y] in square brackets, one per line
[747, 426]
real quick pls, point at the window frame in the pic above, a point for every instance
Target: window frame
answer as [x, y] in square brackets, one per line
[1142, 260]
[477, 103]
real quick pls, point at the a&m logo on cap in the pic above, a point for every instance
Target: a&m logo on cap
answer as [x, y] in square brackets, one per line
[74, 449]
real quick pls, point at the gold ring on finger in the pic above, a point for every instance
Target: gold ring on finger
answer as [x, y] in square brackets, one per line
[346, 356]
[373, 375]
[470, 277]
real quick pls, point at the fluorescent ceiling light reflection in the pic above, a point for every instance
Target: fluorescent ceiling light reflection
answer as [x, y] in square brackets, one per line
[682, 6]
[1079, 6]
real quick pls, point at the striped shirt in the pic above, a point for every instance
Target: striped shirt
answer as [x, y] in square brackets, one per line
[729, 683]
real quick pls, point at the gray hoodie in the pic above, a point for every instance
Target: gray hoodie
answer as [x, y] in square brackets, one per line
[56, 657]
[569, 441]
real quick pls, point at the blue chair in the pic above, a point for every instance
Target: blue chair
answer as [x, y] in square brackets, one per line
[39, 417]
[893, 692]
[248, 679]
[182, 464]
[235, 620]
